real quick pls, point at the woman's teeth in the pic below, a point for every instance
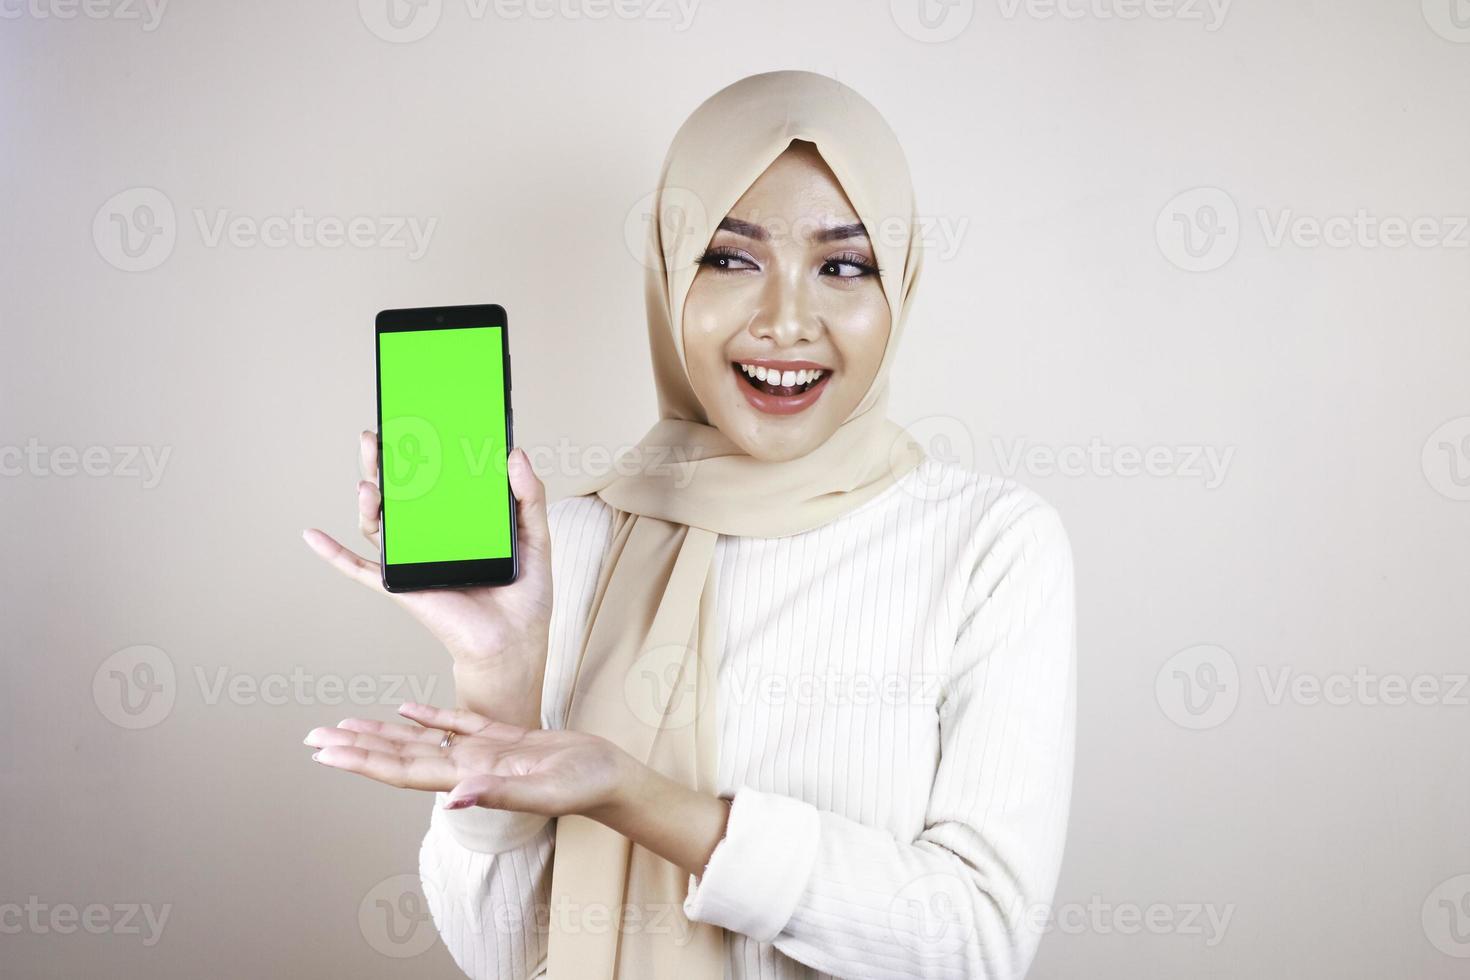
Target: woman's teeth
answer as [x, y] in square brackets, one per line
[774, 381]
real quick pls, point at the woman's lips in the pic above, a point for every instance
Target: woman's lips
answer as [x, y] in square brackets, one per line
[774, 403]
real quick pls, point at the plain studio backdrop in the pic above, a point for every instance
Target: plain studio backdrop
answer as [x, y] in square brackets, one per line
[1196, 273]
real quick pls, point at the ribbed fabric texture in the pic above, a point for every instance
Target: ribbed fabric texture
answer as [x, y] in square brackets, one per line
[896, 714]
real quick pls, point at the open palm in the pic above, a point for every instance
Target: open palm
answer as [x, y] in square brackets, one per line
[489, 763]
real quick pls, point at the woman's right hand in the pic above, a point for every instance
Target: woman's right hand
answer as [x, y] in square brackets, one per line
[496, 635]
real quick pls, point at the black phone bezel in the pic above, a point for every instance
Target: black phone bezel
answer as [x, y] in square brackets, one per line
[416, 576]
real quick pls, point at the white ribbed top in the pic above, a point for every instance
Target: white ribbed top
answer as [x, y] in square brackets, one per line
[896, 718]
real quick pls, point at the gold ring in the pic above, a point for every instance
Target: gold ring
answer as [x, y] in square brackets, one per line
[446, 740]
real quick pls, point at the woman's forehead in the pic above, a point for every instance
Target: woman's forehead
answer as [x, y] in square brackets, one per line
[803, 204]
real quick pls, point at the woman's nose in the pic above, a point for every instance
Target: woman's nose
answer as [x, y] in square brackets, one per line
[786, 313]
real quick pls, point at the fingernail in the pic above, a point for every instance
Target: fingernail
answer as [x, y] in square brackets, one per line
[460, 803]
[317, 757]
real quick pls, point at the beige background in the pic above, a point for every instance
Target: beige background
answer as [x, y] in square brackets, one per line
[1061, 306]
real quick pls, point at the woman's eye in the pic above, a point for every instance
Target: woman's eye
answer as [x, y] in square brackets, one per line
[858, 265]
[724, 259]
[849, 265]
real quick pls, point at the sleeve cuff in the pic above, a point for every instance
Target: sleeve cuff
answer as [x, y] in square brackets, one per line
[484, 830]
[758, 871]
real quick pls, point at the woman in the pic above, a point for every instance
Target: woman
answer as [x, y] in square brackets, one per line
[800, 702]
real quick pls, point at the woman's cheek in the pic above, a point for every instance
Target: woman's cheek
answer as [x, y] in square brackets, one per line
[704, 344]
[861, 334]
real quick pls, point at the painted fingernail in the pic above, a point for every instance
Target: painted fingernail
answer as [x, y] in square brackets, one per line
[460, 803]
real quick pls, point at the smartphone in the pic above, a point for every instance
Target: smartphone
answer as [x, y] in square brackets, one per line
[445, 426]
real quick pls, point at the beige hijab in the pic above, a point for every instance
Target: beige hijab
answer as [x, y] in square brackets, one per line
[645, 679]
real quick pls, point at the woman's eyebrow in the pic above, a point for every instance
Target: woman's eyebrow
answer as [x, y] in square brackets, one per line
[756, 232]
[744, 228]
[838, 232]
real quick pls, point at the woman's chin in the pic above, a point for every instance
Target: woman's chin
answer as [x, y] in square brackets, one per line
[775, 439]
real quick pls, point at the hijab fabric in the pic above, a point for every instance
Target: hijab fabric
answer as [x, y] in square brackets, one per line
[645, 676]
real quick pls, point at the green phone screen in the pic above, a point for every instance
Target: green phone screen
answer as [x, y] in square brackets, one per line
[446, 496]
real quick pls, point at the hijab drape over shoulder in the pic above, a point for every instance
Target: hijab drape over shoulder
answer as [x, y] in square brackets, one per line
[645, 679]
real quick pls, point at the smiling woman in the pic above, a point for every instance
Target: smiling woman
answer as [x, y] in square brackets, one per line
[803, 708]
[786, 322]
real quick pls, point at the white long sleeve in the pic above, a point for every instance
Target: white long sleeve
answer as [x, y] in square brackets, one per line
[487, 873]
[960, 900]
[896, 728]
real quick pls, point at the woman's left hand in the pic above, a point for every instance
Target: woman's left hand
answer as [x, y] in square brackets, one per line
[489, 763]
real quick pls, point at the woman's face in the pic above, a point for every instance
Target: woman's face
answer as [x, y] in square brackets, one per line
[788, 284]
